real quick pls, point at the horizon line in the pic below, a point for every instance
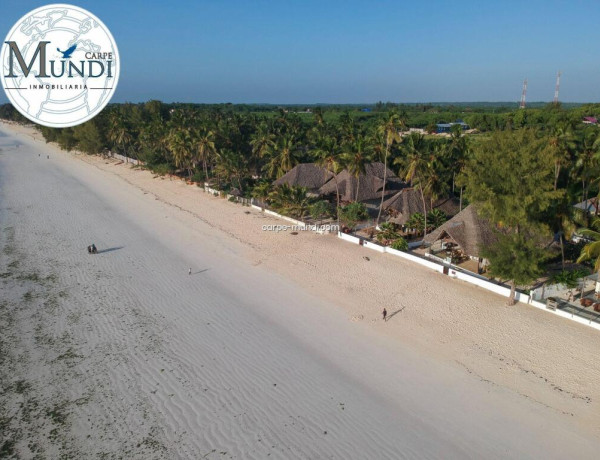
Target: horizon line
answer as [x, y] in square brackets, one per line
[355, 103]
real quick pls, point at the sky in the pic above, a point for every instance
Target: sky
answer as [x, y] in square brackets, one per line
[320, 51]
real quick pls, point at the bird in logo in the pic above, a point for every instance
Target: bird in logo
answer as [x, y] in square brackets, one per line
[67, 54]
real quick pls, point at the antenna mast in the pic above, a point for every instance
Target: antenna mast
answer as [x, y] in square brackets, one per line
[523, 94]
[557, 87]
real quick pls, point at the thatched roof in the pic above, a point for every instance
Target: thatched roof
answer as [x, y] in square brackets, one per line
[408, 201]
[369, 184]
[404, 204]
[450, 206]
[307, 175]
[470, 231]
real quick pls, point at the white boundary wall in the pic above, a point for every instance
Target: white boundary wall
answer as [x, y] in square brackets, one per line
[299, 223]
[288, 219]
[350, 238]
[126, 159]
[488, 285]
[418, 260]
[374, 246]
[564, 314]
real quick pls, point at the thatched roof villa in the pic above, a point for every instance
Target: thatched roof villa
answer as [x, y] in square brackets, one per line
[467, 232]
[369, 185]
[308, 175]
[407, 202]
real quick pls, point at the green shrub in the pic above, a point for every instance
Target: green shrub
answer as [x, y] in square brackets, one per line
[320, 210]
[353, 213]
[198, 177]
[399, 244]
[388, 231]
[569, 278]
[161, 169]
[290, 201]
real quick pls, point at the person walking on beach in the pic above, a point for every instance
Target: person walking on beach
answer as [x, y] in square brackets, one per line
[384, 313]
[190, 271]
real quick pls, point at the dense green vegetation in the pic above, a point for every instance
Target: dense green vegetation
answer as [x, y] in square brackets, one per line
[524, 169]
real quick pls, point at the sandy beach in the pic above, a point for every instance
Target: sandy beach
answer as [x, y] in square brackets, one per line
[273, 347]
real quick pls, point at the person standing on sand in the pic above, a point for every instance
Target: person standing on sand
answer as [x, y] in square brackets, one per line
[190, 271]
[384, 313]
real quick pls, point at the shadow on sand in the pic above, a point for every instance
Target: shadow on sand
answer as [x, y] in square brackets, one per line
[102, 251]
[395, 313]
[200, 271]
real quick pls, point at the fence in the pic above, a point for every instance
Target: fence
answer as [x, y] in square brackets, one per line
[126, 159]
[468, 277]
[261, 207]
[416, 259]
[585, 284]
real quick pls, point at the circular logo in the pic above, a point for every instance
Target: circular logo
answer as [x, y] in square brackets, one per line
[60, 65]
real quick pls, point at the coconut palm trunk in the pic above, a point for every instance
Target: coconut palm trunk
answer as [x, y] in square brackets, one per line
[424, 212]
[387, 148]
[337, 196]
[205, 167]
[562, 251]
[390, 128]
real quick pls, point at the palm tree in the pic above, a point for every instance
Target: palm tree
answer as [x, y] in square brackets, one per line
[390, 127]
[261, 192]
[414, 148]
[587, 160]
[329, 157]
[389, 231]
[429, 180]
[591, 251]
[347, 127]
[416, 221]
[283, 156]
[119, 133]
[356, 159]
[562, 142]
[457, 153]
[204, 146]
[261, 140]
[181, 146]
[377, 142]
[436, 218]
[292, 201]
[561, 219]
[416, 160]
[232, 165]
[152, 142]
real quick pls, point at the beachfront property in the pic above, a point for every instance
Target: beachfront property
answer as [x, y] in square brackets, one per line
[365, 188]
[307, 175]
[408, 201]
[459, 240]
